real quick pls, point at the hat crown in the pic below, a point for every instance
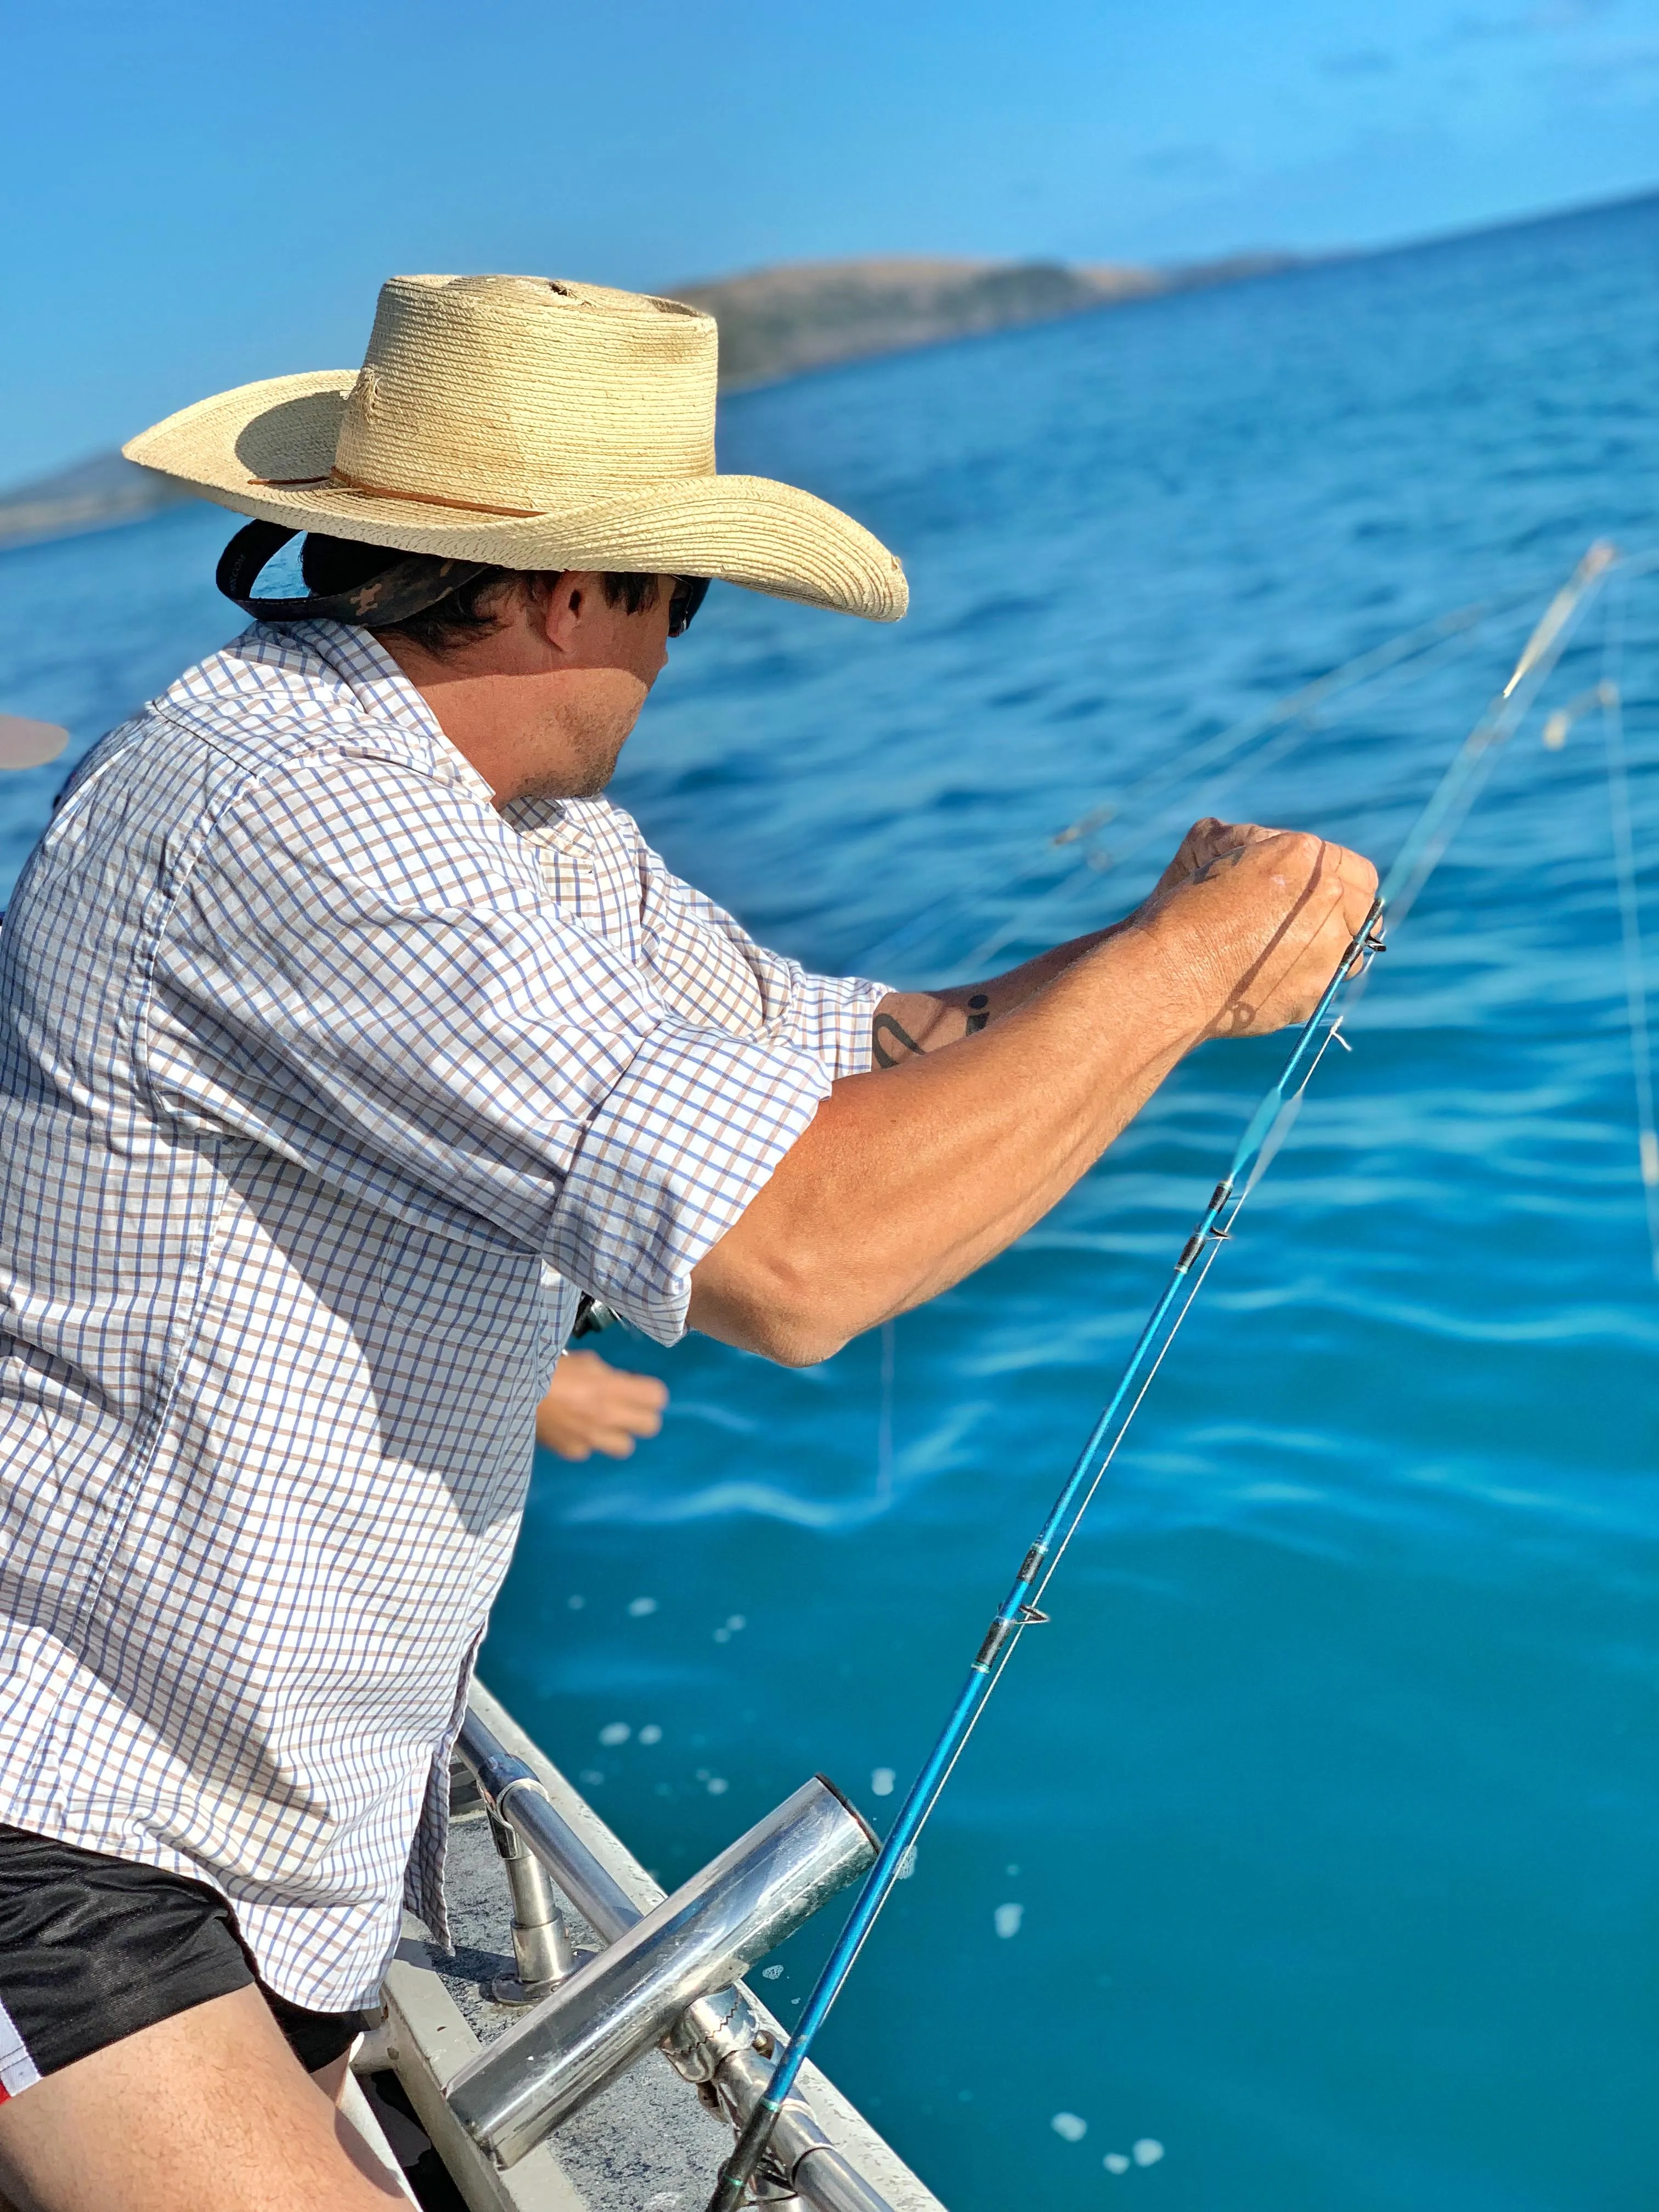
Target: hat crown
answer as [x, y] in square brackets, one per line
[513, 394]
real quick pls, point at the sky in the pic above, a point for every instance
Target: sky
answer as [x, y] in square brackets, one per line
[193, 195]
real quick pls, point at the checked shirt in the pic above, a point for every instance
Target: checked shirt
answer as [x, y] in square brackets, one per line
[324, 1089]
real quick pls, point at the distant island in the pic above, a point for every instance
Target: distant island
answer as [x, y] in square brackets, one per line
[773, 323]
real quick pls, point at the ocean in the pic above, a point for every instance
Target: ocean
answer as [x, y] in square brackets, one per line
[1306, 1862]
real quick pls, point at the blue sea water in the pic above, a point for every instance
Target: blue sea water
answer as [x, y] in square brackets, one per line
[1329, 1800]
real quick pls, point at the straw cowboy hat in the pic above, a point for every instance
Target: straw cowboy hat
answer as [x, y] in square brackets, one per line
[530, 424]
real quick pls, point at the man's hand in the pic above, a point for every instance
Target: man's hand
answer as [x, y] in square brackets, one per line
[590, 1408]
[1205, 843]
[1264, 915]
[997, 1096]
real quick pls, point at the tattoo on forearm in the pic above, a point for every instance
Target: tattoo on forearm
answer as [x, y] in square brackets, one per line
[901, 1037]
[978, 1012]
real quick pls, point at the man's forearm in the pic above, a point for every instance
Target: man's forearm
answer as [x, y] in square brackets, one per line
[910, 1023]
[911, 1177]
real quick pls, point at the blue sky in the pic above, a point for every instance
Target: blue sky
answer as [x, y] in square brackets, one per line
[196, 194]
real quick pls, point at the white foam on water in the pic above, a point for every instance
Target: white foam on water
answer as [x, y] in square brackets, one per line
[1069, 2126]
[1007, 1918]
[615, 1732]
[1115, 2162]
[651, 1733]
[771, 1974]
[718, 1785]
[1147, 2151]
[882, 1779]
[639, 1607]
[589, 1777]
[906, 1865]
[734, 1621]
[722, 1635]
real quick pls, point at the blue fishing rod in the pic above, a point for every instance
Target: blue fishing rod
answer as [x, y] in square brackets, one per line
[1021, 1609]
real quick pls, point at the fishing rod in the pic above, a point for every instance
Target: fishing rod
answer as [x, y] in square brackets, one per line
[1419, 854]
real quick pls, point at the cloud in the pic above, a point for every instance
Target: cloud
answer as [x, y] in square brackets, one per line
[1368, 62]
[1198, 164]
[1616, 66]
[1545, 18]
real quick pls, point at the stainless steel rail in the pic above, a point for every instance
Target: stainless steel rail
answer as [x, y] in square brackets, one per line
[719, 2042]
[541, 1943]
[514, 1792]
[721, 2045]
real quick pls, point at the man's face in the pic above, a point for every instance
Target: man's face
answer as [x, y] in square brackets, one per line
[612, 658]
[543, 704]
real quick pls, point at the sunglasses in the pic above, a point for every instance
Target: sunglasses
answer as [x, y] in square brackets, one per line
[689, 593]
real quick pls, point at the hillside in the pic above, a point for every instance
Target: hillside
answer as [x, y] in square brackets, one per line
[801, 315]
[773, 323]
[91, 495]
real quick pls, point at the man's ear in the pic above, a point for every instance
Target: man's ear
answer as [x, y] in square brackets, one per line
[567, 601]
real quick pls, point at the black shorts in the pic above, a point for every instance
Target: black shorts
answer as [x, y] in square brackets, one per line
[94, 1948]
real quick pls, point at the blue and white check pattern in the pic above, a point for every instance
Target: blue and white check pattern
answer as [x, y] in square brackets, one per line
[314, 1070]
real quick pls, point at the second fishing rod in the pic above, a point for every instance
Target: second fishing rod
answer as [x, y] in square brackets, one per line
[1418, 855]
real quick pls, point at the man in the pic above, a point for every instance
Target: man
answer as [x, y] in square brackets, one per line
[348, 1037]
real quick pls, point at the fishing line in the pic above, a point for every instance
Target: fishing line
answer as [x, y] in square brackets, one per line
[884, 1421]
[1419, 854]
[1294, 720]
[1223, 759]
[1456, 629]
[1611, 702]
[1305, 701]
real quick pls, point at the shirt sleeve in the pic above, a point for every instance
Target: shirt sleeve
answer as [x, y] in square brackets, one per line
[360, 970]
[706, 965]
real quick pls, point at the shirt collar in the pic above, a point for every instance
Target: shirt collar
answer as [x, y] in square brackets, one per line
[380, 687]
[363, 665]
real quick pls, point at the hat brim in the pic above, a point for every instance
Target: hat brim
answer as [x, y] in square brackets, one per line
[266, 450]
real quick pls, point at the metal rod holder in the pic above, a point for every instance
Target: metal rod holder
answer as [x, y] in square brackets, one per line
[599, 2020]
[717, 2042]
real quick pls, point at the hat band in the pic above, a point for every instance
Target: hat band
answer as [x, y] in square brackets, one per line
[338, 476]
[343, 483]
